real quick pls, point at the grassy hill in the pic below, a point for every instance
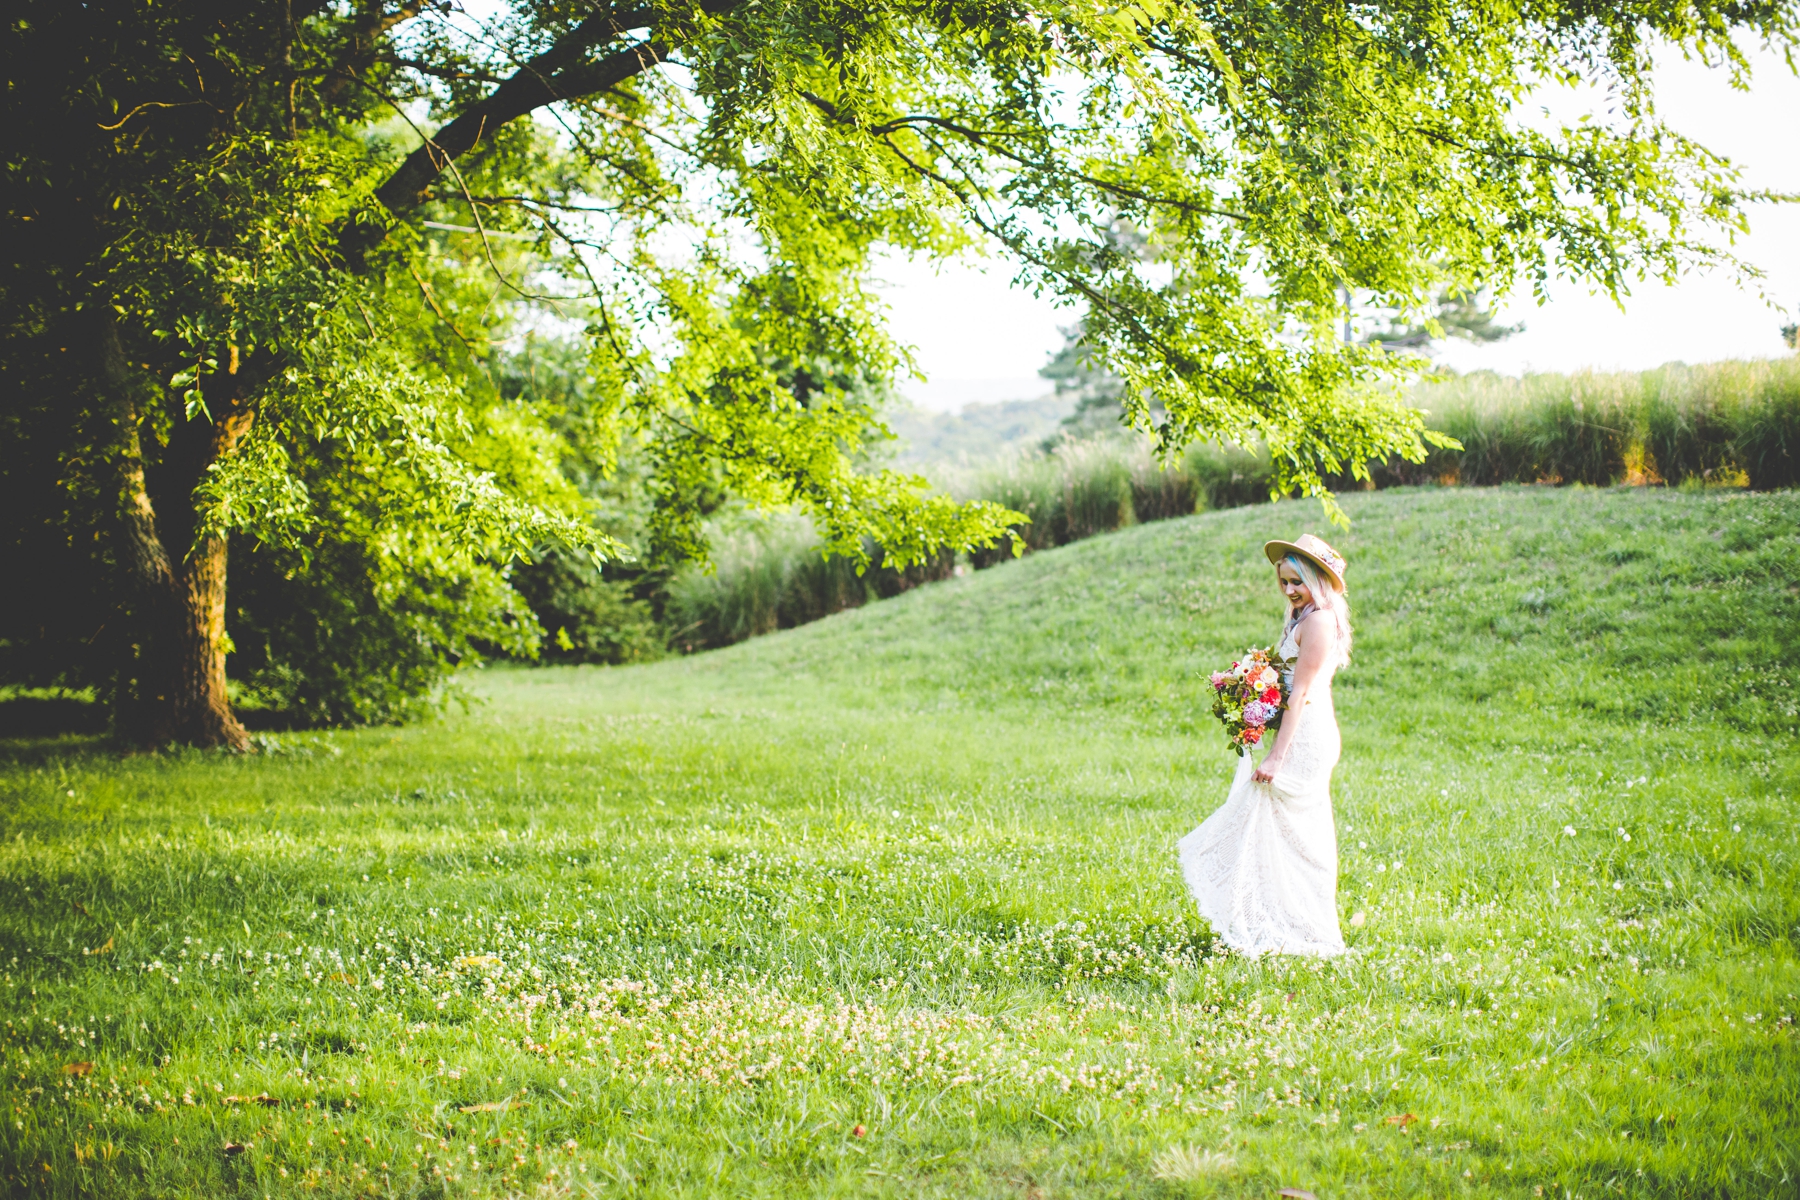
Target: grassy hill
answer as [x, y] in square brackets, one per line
[887, 906]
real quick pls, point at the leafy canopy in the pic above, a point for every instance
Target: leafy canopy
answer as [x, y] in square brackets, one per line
[731, 169]
[328, 216]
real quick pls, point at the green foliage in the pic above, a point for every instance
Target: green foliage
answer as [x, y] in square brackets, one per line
[180, 308]
[1097, 393]
[679, 929]
[197, 208]
[1455, 315]
[397, 576]
[340, 636]
[586, 617]
[775, 574]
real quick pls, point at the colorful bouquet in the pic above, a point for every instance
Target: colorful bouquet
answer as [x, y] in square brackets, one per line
[1248, 698]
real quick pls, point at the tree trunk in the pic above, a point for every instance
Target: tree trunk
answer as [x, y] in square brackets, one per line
[179, 694]
[197, 710]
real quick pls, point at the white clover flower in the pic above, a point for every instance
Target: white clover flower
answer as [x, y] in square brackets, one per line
[1568, 831]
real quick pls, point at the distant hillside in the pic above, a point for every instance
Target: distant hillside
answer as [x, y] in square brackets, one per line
[978, 432]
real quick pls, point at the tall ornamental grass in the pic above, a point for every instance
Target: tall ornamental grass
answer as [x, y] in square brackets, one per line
[1085, 487]
[1732, 423]
[771, 575]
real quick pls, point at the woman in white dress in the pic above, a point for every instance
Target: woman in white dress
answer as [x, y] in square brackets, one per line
[1263, 868]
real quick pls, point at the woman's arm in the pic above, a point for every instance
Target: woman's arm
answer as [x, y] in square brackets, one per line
[1315, 636]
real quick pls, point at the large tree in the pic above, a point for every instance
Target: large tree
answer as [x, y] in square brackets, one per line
[225, 218]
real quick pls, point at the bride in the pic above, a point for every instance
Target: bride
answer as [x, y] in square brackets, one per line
[1263, 868]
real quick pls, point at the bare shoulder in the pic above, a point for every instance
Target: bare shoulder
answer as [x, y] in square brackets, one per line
[1316, 629]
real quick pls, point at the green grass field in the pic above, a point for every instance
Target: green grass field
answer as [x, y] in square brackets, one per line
[887, 905]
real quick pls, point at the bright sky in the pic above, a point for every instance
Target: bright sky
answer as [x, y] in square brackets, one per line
[979, 339]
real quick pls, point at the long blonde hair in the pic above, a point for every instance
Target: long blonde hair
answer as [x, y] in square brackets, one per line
[1326, 598]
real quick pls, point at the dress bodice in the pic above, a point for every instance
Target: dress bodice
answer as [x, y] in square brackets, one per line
[1288, 647]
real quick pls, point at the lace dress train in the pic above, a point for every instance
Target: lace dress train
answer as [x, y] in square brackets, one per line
[1263, 868]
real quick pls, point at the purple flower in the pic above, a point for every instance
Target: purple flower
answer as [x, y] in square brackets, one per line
[1257, 713]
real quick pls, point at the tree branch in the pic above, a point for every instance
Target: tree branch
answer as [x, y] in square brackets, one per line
[985, 139]
[556, 74]
[425, 68]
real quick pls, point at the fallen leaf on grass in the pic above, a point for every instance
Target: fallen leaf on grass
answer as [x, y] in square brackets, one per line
[342, 977]
[1403, 1120]
[859, 1131]
[262, 1098]
[81, 908]
[106, 949]
[490, 1106]
[1296, 1194]
[232, 1148]
[81, 1068]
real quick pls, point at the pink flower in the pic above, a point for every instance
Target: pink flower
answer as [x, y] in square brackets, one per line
[1257, 713]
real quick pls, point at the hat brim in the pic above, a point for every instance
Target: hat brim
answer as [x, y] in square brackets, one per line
[1279, 550]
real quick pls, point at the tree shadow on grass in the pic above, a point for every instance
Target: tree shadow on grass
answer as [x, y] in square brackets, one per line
[37, 729]
[49, 716]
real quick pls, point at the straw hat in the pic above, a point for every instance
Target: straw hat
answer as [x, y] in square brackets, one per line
[1315, 551]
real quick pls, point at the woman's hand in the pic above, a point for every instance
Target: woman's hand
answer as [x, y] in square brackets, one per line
[1270, 768]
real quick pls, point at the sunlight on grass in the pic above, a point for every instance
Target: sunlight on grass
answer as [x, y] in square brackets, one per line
[888, 905]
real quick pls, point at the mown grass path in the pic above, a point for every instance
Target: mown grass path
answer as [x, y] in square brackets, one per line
[887, 906]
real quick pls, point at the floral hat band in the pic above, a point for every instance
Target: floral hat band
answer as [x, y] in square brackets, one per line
[1315, 551]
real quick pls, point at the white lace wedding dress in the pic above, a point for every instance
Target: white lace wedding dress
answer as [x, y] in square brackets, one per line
[1263, 868]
